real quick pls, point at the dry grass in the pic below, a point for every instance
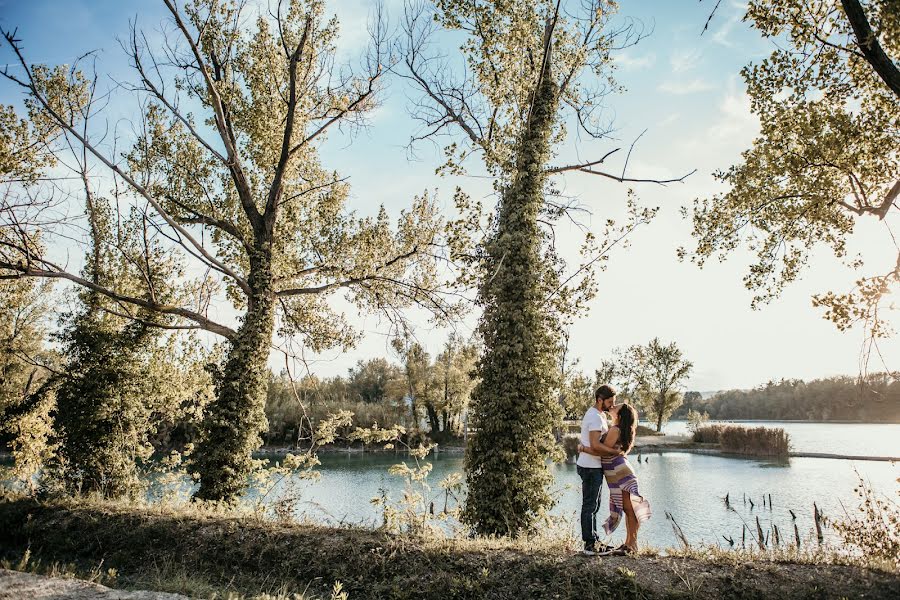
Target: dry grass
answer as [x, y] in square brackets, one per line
[207, 552]
[738, 439]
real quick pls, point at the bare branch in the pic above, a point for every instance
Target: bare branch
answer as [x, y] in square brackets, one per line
[55, 272]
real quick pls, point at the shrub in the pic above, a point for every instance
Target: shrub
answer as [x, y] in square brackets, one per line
[643, 430]
[570, 445]
[285, 419]
[875, 527]
[696, 419]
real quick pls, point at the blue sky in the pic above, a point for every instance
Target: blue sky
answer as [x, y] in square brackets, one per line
[684, 88]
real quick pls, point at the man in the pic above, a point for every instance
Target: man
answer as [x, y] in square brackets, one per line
[589, 467]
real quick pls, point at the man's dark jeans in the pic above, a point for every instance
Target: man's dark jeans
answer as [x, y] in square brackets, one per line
[591, 485]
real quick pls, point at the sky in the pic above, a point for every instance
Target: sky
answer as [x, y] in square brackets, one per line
[684, 88]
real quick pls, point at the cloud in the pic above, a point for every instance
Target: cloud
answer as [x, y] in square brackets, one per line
[730, 129]
[685, 59]
[738, 10]
[630, 63]
[736, 121]
[681, 88]
[669, 120]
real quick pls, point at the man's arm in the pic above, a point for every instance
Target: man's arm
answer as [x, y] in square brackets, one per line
[598, 448]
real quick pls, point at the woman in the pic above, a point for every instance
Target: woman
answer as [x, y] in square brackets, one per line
[624, 497]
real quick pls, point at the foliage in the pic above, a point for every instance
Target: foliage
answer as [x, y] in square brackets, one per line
[760, 441]
[512, 406]
[650, 376]
[442, 386]
[22, 155]
[528, 69]
[696, 420]
[239, 191]
[577, 394]
[25, 365]
[874, 528]
[374, 380]
[377, 391]
[570, 445]
[875, 399]
[825, 156]
[101, 419]
[414, 512]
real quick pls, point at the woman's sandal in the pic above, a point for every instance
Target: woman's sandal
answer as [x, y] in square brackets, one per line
[622, 550]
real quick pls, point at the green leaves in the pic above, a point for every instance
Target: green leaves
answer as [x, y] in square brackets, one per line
[826, 155]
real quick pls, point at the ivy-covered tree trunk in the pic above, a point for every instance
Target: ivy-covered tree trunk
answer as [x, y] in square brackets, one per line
[236, 419]
[513, 408]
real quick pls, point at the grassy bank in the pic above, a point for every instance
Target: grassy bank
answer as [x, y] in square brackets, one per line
[204, 553]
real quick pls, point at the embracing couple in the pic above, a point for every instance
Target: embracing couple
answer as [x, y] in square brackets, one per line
[607, 435]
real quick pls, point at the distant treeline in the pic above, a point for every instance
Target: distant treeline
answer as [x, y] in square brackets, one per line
[876, 399]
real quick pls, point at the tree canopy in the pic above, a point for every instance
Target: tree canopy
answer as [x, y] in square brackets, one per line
[828, 103]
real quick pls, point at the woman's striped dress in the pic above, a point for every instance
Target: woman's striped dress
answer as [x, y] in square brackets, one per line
[620, 476]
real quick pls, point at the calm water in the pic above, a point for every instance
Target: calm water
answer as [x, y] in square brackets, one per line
[852, 439]
[691, 487]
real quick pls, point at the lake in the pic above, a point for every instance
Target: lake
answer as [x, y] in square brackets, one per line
[691, 487]
[852, 439]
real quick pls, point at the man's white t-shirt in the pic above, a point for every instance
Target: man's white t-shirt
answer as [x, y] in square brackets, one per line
[593, 420]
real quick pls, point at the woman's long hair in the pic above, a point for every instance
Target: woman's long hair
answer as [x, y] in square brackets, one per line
[627, 423]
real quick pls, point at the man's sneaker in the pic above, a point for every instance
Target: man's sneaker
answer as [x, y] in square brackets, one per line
[603, 549]
[589, 550]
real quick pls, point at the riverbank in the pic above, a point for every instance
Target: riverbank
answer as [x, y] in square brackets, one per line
[203, 553]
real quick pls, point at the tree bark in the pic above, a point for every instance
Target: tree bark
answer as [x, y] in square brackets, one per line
[870, 47]
[433, 418]
[236, 419]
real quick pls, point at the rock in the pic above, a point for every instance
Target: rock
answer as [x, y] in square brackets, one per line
[15, 585]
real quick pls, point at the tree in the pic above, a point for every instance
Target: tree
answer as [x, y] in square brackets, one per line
[656, 372]
[528, 69]
[25, 366]
[417, 377]
[453, 376]
[372, 380]
[828, 102]
[241, 193]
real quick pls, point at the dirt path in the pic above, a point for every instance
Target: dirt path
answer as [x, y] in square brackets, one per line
[15, 585]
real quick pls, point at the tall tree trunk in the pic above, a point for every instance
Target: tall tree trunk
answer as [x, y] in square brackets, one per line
[660, 409]
[433, 418]
[236, 419]
[512, 406]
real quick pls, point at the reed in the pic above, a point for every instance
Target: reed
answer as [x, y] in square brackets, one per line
[709, 434]
[738, 439]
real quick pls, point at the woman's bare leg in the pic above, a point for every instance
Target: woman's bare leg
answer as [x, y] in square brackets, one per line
[631, 522]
